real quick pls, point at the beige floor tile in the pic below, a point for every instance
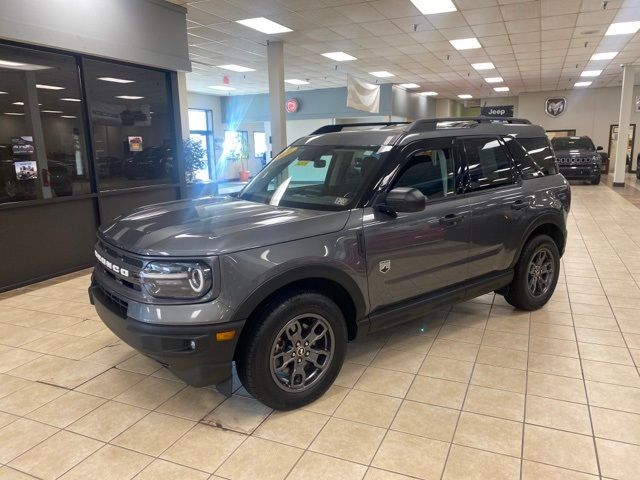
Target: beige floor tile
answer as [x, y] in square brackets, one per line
[348, 440]
[538, 471]
[108, 421]
[595, 310]
[426, 420]
[419, 344]
[516, 323]
[496, 403]
[161, 470]
[150, 392]
[547, 330]
[562, 449]
[471, 464]
[385, 382]
[454, 350]
[14, 336]
[329, 401]
[297, 428]
[549, 317]
[499, 377]
[615, 425]
[460, 334]
[153, 434]
[66, 409]
[6, 419]
[601, 337]
[314, 465]
[605, 353]
[632, 340]
[56, 455]
[8, 473]
[552, 413]
[273, 460]
[109, 463]
[591, 321]
[398, 360]
[502, 357]
[30, 398]
[618, 460]
[20, 436]
[11, 358]
[555, 365]
[204, 448]
[412, 455]
[468, 320]
[140, 364]
[349, 374]
[50, 343]
[446, 368]
[505, 340]
[436, 391]
[489, 433]
[192, 403]
[616, 397]
[553, 346]
[59, 371]
[611, 373]
[241, 414]
[378, 474]
[554, 386]
[370, 408]
[362, 352]
[9, 384]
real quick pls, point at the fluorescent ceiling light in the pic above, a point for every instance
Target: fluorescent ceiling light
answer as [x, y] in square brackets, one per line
[129, 97]
[52, 111]
[501, 89]
[465, 96]
[382, 74]
[339, 56]
[48, 87]
[68, 116]
[21, 66]
[409, 85]
[264, 25]
[429, 94]
[4, 93]
[237, 68]
[465, 43]
[115, 80]
[430, 7]
[70, 99]
[582, 84]
[221, 87]
[603, 56]
[591, 73]
[13, 113]
[494, 80]
[483, 66]
[7, 63]
[623, 28]
[18, 103]
[296, 81]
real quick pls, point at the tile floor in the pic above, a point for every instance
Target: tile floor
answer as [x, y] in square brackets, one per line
[477, 392]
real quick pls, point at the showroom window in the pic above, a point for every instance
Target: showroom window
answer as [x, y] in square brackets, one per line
[43, 154]
[201, 131]
[132, 125]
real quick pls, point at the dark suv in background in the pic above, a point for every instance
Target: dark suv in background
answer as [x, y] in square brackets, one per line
[349, 230]
[578, 158]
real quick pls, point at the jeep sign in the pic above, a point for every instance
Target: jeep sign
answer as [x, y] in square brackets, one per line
[497, 111]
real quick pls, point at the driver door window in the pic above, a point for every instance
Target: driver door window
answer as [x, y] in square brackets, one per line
[431, 171]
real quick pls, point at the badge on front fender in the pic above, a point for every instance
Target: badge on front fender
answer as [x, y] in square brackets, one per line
[384, 266]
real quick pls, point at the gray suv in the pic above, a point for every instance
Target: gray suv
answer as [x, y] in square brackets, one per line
[348, 231]
[578, 158]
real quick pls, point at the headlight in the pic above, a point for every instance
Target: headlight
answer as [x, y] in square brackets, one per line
[179, 280]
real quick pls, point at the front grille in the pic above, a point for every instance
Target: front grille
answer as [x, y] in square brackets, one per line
[124, 258]
[574, 160]
[117, 303]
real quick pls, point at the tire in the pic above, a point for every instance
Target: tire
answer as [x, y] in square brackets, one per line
[596, 181]
[277, 381]
[519, 292]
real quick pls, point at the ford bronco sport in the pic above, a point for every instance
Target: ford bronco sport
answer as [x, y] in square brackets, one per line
[578, 158]
[349, 230]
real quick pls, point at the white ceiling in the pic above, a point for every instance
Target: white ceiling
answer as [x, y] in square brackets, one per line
[534, 45]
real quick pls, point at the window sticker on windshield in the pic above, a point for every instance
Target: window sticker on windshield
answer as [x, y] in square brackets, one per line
[302, 163]
[341, 201]
[286, 151]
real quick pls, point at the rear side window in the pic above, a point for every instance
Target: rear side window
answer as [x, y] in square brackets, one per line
[540, 150]
[526, 164]
[489, 165]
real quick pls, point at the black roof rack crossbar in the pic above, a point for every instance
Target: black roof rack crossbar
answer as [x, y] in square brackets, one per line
[339, 127]
[429, 124]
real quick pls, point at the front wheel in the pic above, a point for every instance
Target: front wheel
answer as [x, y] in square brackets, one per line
[293, 351]
[536, 274]
[595, 181]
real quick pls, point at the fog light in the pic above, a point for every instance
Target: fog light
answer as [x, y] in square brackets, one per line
[226, 335]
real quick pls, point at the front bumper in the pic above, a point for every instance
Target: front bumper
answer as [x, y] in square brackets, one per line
[191, 352]
[580, 172]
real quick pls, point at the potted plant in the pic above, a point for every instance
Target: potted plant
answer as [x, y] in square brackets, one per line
[194, 158]
[243, 157]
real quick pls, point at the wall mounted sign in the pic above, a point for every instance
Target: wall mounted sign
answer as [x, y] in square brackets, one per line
[26, 170]
[554, 107]
[135, 144]
[497, 111]
[22, 145]
[292, 105]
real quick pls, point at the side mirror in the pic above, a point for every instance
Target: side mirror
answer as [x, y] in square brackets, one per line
[599, 147]
[404, 199]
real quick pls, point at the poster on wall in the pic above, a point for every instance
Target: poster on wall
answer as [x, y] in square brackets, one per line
[27, 170]
[22, 145]
[135, 143]
[363, 95]
[497, 111]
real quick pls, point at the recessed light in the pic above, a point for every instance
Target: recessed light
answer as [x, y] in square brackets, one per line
[70, 99]
[603, 56]
[4, 93]
[129, 97]
[429, 94]
[115, 80]
[237, 68]
[68, 116]
[431, 7]
[48, 87]
[582, 84]
[382, 74]
[7, 63]
[339, 56]
[623, 28]
[409, 85]
[18, 103]
[494, 80]
[465, 43]
[591, 73]
[501, 89]
[264, 25]
[13, 113]
[483, 66]
[296, 81]
[465, 96]
[221, 87]
[51, 111]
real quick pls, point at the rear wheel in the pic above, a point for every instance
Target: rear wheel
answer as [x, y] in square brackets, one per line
[536, 274]
[294, 351]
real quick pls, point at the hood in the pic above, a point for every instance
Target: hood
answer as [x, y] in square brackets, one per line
[575, 153]
[214, 226]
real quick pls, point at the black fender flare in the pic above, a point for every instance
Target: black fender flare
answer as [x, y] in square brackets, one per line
[551, 218]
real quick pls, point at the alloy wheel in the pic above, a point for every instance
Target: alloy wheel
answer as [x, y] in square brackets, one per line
[540, 272]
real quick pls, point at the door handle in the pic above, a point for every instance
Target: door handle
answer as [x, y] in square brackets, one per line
[519, 205]
[450, 219]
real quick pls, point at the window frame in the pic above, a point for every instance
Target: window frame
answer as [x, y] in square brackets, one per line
[208, 135]
[515, 175]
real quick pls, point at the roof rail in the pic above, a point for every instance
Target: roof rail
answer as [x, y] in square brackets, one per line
[339, 127]
[429, 124]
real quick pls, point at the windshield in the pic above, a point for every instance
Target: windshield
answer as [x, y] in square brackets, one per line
[572, 143]
[315, 177]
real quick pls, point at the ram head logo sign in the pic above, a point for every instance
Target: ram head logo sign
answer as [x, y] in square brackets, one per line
[555, 106]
